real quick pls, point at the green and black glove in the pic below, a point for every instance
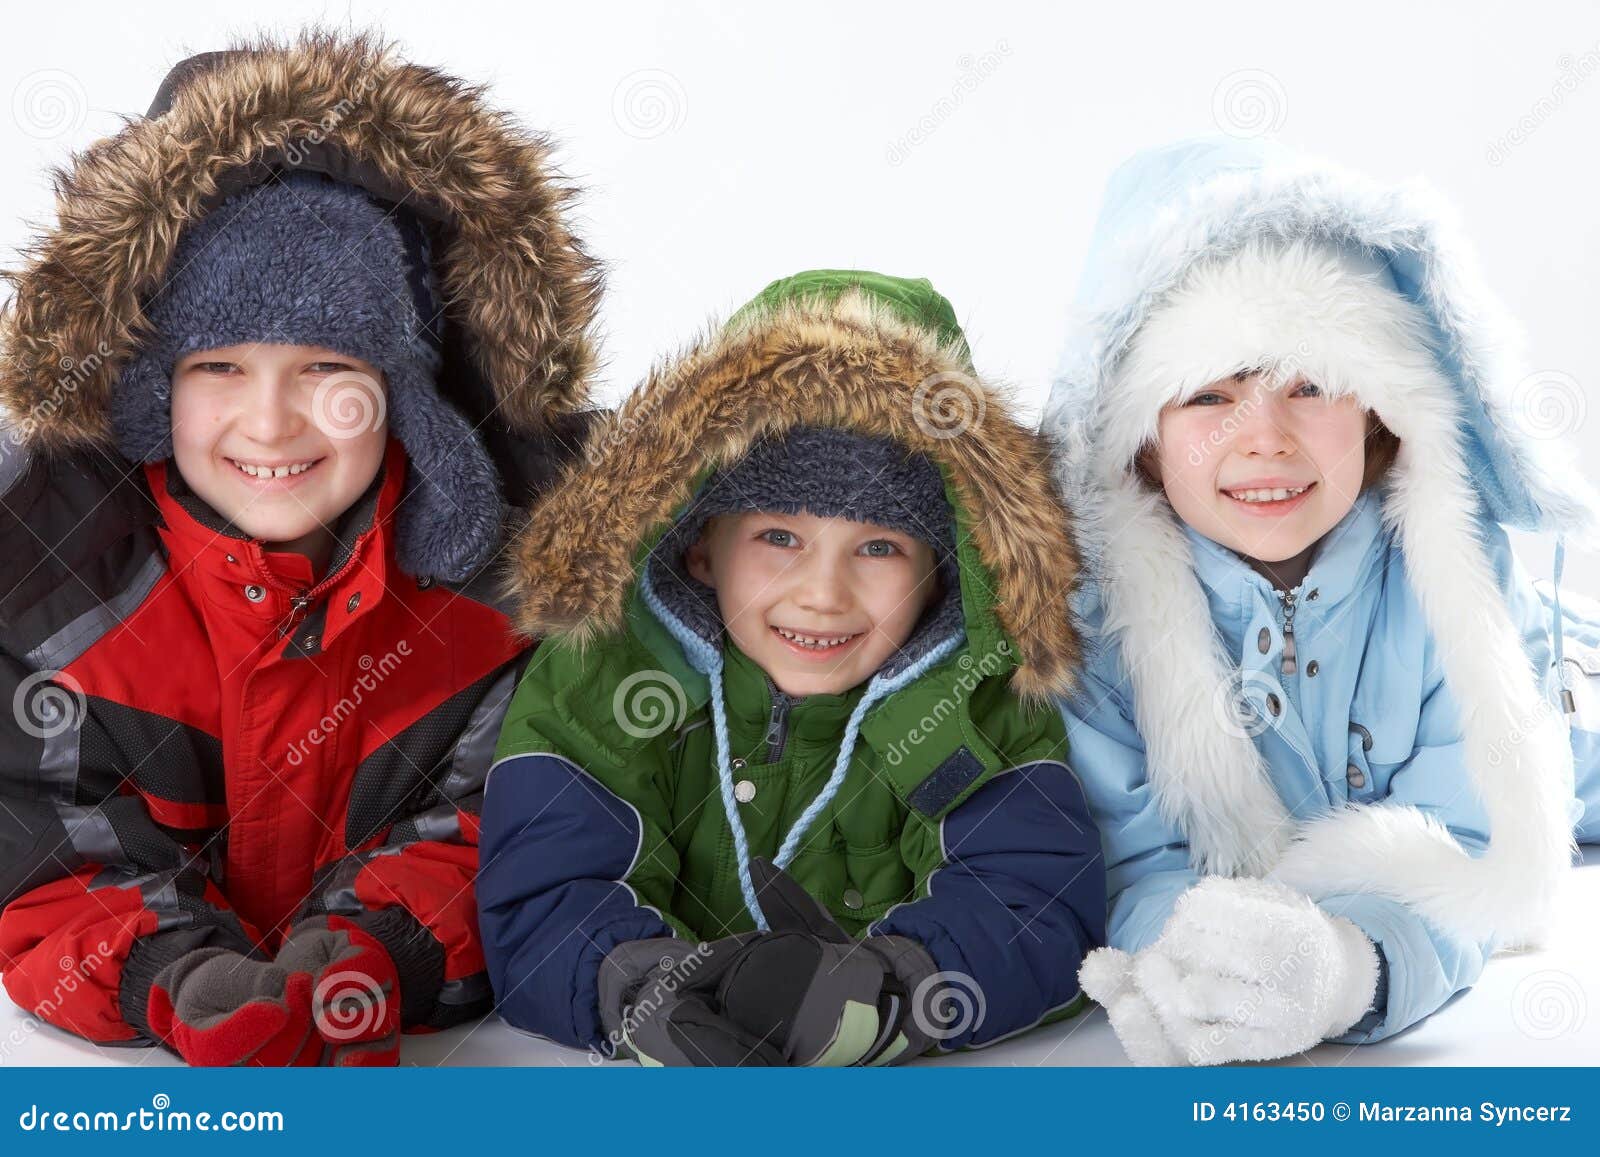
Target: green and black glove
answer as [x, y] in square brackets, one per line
[803, 993]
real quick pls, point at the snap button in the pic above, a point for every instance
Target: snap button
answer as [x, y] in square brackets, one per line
[230, 558]
[1355, 777]
[424, 583]
[1264, 641]
[255, 593]
[309, 643]
[1312, 668]
[355, 601]
[852, 899]
[744, 791]
[1313, 596]
[737, 764]
[1273, 705]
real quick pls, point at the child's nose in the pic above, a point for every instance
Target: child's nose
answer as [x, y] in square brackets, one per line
[1263, 432]
[272, 414]
[821, 585]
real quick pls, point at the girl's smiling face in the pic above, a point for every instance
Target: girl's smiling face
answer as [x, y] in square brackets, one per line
[1264, 468]
[279, 439]
[817, 603]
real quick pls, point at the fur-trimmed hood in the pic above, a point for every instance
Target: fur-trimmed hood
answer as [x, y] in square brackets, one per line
[520, 289]
[850, 363]
[1178, 289]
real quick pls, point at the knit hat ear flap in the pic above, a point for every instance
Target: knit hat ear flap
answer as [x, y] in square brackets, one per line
[449, 522]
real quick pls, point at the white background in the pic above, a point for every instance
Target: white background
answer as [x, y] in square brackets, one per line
[725, 145]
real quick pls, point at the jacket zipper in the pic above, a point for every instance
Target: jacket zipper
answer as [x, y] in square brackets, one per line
[1288, 666]
[777, 722]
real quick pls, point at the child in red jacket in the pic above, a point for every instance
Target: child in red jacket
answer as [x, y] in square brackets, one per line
[277, 380]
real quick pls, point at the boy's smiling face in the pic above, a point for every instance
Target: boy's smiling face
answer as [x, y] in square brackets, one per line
[1263, 468]
[817, 603]
[279, 439]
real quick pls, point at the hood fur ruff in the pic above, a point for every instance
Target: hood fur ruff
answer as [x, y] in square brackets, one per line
[1218, 280]
[853, 364]
[521, 286]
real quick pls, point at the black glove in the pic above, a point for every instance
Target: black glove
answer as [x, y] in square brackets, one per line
[803, 993]
[817, 993]
[657, 1003]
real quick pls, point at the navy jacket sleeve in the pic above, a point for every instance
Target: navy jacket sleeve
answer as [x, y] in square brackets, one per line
[1019, 898]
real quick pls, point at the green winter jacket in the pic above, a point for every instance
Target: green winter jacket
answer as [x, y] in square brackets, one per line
[954, 821]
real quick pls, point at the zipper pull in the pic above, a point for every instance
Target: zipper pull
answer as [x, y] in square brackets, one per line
[777, 722]
[1288, 666]
[298, 605]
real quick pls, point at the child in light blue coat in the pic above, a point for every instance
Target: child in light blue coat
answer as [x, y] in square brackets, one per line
[1321, 725]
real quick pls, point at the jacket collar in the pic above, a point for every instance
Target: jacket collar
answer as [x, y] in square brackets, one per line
[752, 696]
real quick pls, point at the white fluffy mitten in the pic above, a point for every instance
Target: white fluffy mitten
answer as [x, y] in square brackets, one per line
[1244, 970]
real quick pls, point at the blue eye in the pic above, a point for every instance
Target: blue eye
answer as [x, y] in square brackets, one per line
[216, 368]
[880, 548]
[329, 367]
[777, 537]
[1208, 398]
[1301, 391]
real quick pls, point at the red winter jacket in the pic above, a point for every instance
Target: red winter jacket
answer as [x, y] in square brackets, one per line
[206, 745]
[269, 747]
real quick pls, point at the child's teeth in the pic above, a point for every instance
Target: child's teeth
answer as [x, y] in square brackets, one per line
[1277, 494]
[819, 642]
[273, 471]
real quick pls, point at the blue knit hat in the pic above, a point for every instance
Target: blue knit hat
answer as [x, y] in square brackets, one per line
[307, 260]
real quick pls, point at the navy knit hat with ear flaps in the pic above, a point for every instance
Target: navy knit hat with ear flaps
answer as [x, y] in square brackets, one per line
[307, 260]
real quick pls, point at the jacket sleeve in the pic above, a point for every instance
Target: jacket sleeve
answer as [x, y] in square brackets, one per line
[570, 867]
[415, 893]
[95, 897]
[1147, 858]
[1017, 895]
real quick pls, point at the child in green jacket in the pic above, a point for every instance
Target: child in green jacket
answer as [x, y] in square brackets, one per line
[779, 788]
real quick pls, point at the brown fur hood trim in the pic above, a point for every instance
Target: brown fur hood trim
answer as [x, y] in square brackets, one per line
[523, 289]
[853, 364]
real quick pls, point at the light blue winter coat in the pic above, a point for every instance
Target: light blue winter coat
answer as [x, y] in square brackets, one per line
[1367, 716]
